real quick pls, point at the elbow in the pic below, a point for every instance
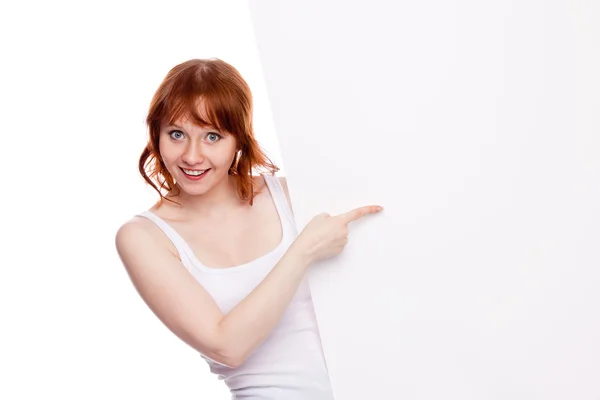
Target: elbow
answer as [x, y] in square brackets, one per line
[227, 359]
[231, 356]
[228, 353]
[234, 363]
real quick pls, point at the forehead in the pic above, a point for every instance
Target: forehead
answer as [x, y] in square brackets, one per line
[188, 122]
[192, 112]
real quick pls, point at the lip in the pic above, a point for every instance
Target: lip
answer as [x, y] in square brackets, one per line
[194, 178]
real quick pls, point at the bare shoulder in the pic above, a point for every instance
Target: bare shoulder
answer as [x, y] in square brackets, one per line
[259, 182]
[132, 228]
[133, 242]
[284, 184]
[138, 233]
[129, 228]
[132, 235]
[283, 181]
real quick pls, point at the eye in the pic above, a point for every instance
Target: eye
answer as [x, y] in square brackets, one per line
[172, 133]
[214, 137]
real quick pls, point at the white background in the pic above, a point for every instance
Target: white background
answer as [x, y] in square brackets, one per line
[76, 80]
[477, 125]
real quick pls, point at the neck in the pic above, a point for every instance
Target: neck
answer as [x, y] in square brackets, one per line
[220, 200]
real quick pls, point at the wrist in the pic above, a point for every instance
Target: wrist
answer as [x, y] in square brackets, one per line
[301, 254]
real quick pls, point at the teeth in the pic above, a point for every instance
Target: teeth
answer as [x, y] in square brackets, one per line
[194, 173]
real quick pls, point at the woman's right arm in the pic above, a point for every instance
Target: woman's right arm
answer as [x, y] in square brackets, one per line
[187, 309]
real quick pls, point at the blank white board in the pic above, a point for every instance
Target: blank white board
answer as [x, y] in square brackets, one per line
[476, 125]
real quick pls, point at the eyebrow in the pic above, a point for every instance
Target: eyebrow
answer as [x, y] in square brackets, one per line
[211, 128]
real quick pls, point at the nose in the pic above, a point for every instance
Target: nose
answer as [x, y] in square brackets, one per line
[193, 153]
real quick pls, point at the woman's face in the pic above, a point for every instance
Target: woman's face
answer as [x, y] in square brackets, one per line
[198, 157]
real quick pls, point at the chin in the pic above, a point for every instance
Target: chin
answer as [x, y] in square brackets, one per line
[193, 189]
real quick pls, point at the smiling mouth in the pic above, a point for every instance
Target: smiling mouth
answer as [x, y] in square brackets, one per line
[194, 172]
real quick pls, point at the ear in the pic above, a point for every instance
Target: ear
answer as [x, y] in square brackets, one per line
[235, 161]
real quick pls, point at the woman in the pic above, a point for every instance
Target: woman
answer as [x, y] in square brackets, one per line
[218, 258]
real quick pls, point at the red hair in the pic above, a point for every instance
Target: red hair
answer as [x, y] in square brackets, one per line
[227, 106]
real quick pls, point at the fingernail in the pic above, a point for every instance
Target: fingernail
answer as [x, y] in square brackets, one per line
[379, 208]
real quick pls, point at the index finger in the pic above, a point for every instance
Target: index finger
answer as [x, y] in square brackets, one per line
[359, 212]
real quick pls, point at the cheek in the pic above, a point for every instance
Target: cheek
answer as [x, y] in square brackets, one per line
[229, 154]
[167, 154]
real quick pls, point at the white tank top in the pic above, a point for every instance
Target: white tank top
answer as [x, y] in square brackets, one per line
[289, 364]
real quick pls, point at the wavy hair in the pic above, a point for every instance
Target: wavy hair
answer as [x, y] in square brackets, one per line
[227, 106]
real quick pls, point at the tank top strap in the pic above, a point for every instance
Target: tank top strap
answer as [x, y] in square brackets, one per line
[181, 245]
[280, 198]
